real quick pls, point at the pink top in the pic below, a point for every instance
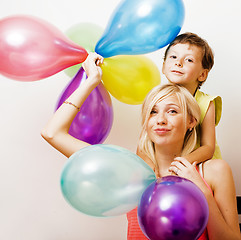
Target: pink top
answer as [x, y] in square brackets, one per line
[134, 232]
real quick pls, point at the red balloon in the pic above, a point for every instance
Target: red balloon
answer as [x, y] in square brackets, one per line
[32, 49]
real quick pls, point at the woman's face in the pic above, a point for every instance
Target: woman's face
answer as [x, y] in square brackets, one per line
[166, 125]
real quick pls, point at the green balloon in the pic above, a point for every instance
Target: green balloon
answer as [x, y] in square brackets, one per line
[105, 180]
[85, 35]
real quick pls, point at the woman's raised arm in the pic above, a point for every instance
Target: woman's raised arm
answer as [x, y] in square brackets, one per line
[56, 130]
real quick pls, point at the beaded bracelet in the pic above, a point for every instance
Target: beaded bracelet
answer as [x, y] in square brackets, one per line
[70, 103]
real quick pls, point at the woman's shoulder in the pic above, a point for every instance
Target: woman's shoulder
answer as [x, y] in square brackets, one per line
[216, 170]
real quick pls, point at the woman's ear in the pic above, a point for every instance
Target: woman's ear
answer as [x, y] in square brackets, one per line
[192, 123]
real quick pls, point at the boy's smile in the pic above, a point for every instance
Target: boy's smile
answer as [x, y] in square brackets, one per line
[183, 65]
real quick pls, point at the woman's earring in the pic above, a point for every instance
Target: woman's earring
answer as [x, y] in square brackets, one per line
[190, 129]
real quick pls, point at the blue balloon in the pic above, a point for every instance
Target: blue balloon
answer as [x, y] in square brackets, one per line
[105, 180]
[141, 26]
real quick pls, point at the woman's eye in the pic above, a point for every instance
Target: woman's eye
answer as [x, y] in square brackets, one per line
[153, 111]
[172, 111]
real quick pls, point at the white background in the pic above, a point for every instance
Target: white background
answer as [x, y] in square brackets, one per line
[31, 204]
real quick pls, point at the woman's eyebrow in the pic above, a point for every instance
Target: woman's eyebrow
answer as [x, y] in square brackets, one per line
[173, 105]
[168, 105]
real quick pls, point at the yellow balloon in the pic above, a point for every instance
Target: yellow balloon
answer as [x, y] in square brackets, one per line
[130, 78]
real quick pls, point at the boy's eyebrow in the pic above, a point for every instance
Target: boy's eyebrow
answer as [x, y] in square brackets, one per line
[171, 51]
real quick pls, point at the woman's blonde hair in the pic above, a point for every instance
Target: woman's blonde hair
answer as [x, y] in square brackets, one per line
[189, 107]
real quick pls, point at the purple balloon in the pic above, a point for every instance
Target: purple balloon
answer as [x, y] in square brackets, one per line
[94, 121]
[173, 208]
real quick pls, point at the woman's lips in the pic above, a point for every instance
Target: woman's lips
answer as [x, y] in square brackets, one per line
[161, 131]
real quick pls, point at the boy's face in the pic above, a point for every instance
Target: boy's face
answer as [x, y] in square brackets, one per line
[183, 65]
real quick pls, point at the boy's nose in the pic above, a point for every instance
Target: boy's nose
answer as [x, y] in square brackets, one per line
[178, 63]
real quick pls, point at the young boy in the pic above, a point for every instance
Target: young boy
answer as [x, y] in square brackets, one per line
[187, 62]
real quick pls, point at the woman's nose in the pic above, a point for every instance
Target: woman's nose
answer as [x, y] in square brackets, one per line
[161, 119]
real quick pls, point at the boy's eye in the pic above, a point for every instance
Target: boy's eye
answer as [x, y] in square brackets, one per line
[173, 56]
[189, 60]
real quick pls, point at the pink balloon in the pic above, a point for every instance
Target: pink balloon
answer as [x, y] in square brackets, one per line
[32, 49]
[94, 121]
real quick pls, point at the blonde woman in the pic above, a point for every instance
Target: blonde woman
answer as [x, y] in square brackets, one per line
[170, 115]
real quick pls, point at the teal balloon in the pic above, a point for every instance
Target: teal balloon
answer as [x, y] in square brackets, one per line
[105, 180]
[141, 26]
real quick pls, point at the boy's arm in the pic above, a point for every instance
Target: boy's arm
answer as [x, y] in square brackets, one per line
[208, 138]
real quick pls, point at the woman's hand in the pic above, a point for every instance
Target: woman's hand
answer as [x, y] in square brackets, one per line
[92, 67]
[183, 168]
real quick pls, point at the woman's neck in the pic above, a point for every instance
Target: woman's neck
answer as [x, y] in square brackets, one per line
[164, 160]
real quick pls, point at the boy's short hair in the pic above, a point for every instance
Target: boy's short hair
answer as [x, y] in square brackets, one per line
[194, 39]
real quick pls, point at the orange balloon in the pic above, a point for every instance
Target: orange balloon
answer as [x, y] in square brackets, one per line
[130, 78]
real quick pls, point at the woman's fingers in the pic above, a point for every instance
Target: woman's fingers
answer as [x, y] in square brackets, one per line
[176, 167]
[93, 59]
[182, 167]
[96, 58]
[183, 161]
[92, 65]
